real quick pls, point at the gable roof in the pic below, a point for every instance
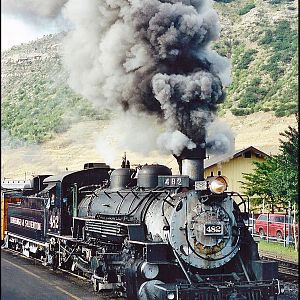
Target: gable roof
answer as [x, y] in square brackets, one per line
[222, 158]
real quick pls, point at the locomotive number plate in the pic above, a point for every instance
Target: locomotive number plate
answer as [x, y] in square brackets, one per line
[213, 229]
[173, 181]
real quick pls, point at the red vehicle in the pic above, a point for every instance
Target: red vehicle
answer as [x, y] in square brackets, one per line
[274, 225]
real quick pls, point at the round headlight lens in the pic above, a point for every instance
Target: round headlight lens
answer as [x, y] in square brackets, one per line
[218, 185]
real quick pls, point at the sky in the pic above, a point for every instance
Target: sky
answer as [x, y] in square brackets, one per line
[15, 31]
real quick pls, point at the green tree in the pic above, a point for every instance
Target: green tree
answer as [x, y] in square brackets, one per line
[287, 186]
[275, 180]
[258, 185]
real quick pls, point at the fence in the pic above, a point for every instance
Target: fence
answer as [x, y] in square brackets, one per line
[278, 228]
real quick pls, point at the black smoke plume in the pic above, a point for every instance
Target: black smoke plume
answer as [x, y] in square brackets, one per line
[152, 57]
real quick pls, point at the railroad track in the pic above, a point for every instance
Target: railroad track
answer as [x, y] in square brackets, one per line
[35, 260]
[80, 280]
[288, 270]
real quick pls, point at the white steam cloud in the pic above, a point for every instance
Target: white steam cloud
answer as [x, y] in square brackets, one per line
[220, 138]
[26, 20]
[175, 142]
[33, 8]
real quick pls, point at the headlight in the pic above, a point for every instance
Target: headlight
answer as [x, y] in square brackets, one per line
[218, 185]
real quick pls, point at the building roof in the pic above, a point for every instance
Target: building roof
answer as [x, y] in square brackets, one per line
[223, 158]
[10, 184]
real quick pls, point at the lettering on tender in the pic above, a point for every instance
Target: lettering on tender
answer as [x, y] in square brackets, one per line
[26, 223]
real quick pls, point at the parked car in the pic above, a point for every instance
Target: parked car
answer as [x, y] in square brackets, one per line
[276, 223]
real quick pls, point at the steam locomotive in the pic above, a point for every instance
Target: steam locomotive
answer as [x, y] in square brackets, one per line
[145, 233]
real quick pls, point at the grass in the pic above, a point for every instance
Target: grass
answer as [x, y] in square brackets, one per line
[278, 250]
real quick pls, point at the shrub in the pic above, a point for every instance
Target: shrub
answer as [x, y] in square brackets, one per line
[279, 1]
[224, 1]
[255, 81]
[246, 59]
[267, 38]
[240, 111]
[283, 40]
[272, 68]
[249, 98]
[280, 112]
[35, 118]
[246, 8]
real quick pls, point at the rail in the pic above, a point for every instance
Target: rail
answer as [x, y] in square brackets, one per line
[39, 261]
[288, 270]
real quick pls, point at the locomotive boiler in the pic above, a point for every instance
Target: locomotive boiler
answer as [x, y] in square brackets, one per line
[148, 234]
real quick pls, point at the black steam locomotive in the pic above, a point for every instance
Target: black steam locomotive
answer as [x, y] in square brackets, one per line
[145, 233]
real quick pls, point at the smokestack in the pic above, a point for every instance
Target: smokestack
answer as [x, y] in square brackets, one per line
[191, 162]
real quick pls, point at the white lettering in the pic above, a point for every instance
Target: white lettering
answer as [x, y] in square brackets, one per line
[26, 223]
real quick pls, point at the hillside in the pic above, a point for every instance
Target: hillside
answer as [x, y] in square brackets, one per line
[46, 127]
[36, 100]
[77, 146]
[261, 38]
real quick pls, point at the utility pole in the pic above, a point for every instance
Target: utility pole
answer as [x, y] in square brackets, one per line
[294, 227]
[289, 222]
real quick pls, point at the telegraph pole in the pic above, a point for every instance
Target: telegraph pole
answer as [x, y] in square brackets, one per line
[289, 222]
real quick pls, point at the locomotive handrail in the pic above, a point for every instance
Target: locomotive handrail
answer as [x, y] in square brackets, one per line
[136, 195]
[147, 205]
[182, 267]
[165, 200]
[243, 200]
[152, 197]
[121, 203]
[134, 209]
[107, 194]
[105, 221]
[96, 186]
[163, 206]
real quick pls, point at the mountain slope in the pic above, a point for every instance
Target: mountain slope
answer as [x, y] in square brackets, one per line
[35, 97]
[261, 38]
[92, 141]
